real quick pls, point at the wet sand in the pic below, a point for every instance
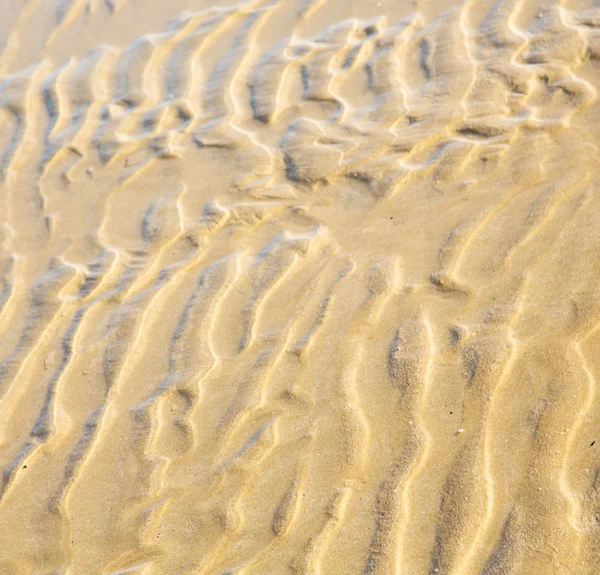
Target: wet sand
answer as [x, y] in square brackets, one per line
[299, 287]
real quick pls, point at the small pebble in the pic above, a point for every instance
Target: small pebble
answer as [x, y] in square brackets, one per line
[461, 430]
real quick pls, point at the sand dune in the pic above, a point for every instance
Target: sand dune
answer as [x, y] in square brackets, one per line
[299, 286]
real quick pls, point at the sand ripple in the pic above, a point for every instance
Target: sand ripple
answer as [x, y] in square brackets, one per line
[299, 286]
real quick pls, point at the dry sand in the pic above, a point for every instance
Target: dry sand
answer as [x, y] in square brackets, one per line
[299, 287]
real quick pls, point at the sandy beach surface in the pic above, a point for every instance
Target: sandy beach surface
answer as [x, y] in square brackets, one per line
[299, 287]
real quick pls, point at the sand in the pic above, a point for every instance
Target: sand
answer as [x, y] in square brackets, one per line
[299, 287]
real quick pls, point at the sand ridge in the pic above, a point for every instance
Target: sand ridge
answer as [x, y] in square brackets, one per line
[299, 286]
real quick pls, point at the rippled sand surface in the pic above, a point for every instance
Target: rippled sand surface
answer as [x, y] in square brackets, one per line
[299, 286]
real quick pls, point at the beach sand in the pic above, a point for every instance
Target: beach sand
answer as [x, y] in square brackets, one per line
[299, 287]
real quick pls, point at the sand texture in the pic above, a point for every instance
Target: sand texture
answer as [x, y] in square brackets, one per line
[299, 287]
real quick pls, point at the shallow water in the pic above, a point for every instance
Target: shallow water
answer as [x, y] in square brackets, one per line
[299, 286]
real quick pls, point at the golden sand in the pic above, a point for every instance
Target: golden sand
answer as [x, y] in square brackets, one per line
[299, 286]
